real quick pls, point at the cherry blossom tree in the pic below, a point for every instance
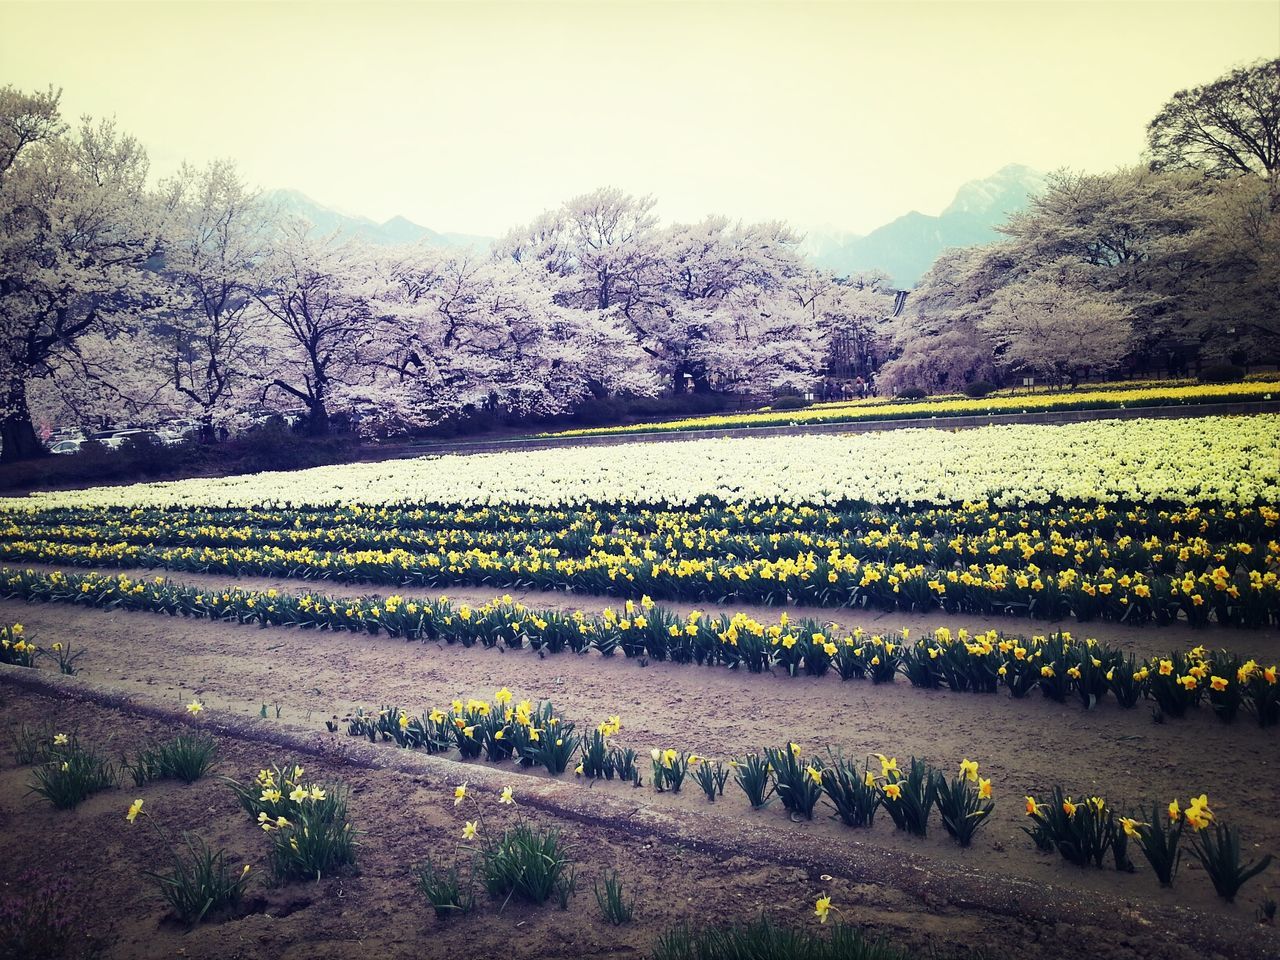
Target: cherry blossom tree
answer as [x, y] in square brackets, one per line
[78, 229]
[322, 339]
[214, 333]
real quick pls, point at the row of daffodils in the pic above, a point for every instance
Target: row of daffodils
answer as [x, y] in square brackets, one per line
[1101, 398]
[1228, 461]
[1059, 666]
[310, 834]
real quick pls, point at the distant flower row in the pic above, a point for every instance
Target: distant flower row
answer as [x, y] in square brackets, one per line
[1227, 461]
[1103, 398]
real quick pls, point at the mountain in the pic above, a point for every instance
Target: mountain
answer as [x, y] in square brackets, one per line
[906, 247]
[397, 230]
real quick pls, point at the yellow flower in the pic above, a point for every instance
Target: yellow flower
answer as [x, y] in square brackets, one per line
[892, 791]
[1218, 683]
[814, 774]
[502, 697]
[469, 830]
[506, 796]
[59, 739]
[317, 793]
[194, 707]
[1174, 811]
[887, 764]
[1131, 827]
[298, 794]
[135, 808]
[459, 793]
[984, 788]
[1068, 807]
[968, 770]
[821, 908]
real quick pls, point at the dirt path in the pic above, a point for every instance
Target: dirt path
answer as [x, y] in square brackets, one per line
[1141, 640]
[1024, 746]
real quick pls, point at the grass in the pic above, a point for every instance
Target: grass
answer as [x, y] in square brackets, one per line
[72, 775]
[764, 940]
[527, 863]
[187, 757]
[201, 880]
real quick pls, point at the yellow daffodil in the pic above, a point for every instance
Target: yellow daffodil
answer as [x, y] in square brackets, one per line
[968, 770]
[459, 794]
[135, 808]
[195, 707]
[507, 796]
[469, 830]
[821, 908]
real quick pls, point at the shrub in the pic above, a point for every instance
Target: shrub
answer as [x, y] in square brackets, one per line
[790, 403]
[1222, 373]
[979, 388]
[911, 393]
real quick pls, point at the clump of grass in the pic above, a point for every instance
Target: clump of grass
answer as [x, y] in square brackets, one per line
[72, 774]
[187, 757]
[200, 881]
[32, 744]
[764, 939]
[528, 863]
[616, 909]
[444, 890]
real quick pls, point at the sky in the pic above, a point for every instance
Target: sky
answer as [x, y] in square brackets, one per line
[472, 116]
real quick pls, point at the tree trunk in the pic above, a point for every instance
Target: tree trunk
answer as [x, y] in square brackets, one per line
[206, 428]
[18, 440]
[318, 419]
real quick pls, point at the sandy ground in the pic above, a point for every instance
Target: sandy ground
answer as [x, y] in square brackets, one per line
[1025, 746]
[407, 815]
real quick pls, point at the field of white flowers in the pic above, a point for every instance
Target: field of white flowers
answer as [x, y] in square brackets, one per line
[1223, 460]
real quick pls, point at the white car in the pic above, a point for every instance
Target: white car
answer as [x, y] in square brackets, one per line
[67, 446]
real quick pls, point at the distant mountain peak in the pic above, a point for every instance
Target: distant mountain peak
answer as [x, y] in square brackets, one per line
[999, 194]
[397, 231]
[906, 247]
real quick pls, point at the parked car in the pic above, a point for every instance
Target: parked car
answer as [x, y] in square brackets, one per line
[67, 446]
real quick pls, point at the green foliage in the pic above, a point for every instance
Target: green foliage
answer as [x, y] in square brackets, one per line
[751, 773]
[200, 881]
[614, 906]
[445, 890]
[527, 863]
[1217, 847]
[848, 789]
[187, 757]
[72, 774]
[765, 940]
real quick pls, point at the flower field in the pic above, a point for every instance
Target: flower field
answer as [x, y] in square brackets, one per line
[559, 652]
[887, 408]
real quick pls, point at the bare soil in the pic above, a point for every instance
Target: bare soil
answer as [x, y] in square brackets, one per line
[1025, 746]
[679, 866]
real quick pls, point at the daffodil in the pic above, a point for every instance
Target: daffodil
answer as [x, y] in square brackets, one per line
[506, 796]
[459, 794]
[59, 739]
[984, 788]
[821, 908]
[469, 830]
[968, 770]
[195, 707]
[135, 808]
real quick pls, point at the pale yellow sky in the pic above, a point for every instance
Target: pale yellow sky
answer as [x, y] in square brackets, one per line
[474, 116]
